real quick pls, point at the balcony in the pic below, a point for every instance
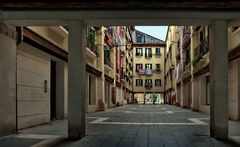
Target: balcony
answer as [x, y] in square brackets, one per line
[141, 71]
[148, 71]
[91, 48]
[158, 70]
[200, 51]
[148, 85]
[186, 36]
[108, 64]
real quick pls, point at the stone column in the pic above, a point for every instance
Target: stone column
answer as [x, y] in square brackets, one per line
[219, 79]
[8, 61]
[195, 93]
[76, 80]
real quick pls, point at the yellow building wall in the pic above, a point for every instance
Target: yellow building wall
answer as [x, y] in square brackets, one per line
[154, 60]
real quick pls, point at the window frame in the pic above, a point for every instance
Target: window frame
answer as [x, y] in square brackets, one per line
[159, 84]
[137, 66]
[139, 53]
[148, 82]
[158, 54]
[148, 52]
[140, 83]
[147, 65]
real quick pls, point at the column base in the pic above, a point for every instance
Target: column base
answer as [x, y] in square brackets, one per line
[75, 136]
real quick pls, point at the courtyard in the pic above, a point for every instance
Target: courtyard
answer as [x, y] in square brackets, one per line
[127, 126]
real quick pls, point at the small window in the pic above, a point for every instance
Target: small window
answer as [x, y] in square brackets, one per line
[158, 82]
[139, 38]
[158, 66]
[148, 81]
[139, 66]
[139, 82]
[158, 51]
[139, 52]
[148, 66]
[148, 52]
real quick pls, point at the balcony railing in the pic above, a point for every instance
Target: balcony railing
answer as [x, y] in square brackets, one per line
[200, 51]
[92, 45]
[141, 71]
[108, 62]
[158, 70]
[148, 71]
[148, 85]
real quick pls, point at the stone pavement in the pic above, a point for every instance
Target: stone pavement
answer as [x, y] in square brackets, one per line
[130, 126]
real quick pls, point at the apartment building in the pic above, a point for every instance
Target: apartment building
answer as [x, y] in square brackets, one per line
[42, 72]
[191, 73]
[148, 68]
[41, 75]
[171, 60]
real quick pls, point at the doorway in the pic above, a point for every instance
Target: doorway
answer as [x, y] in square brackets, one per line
[53, 115]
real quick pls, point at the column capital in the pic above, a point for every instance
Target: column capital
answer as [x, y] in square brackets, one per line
[76, 22]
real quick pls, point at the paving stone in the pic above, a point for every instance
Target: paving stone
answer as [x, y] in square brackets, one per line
[138, 126]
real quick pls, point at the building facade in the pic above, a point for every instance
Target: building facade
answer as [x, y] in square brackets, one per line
[191, 70]
[42, 72]
[148, 68]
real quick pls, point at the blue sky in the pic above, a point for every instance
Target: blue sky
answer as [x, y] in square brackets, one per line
[155, 31]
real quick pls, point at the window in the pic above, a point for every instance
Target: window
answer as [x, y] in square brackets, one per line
[139, 82]
[139, 38]
[148, 66]
[139, 66]
[139, 52]
[106, 54]
[148, 81]
[158, 66]
[158, 52]
[158, 82]
[148, 52]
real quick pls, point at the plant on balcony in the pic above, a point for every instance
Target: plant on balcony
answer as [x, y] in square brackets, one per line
[200, 56]
[91, 41]
[92, 35]
[196, 59]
